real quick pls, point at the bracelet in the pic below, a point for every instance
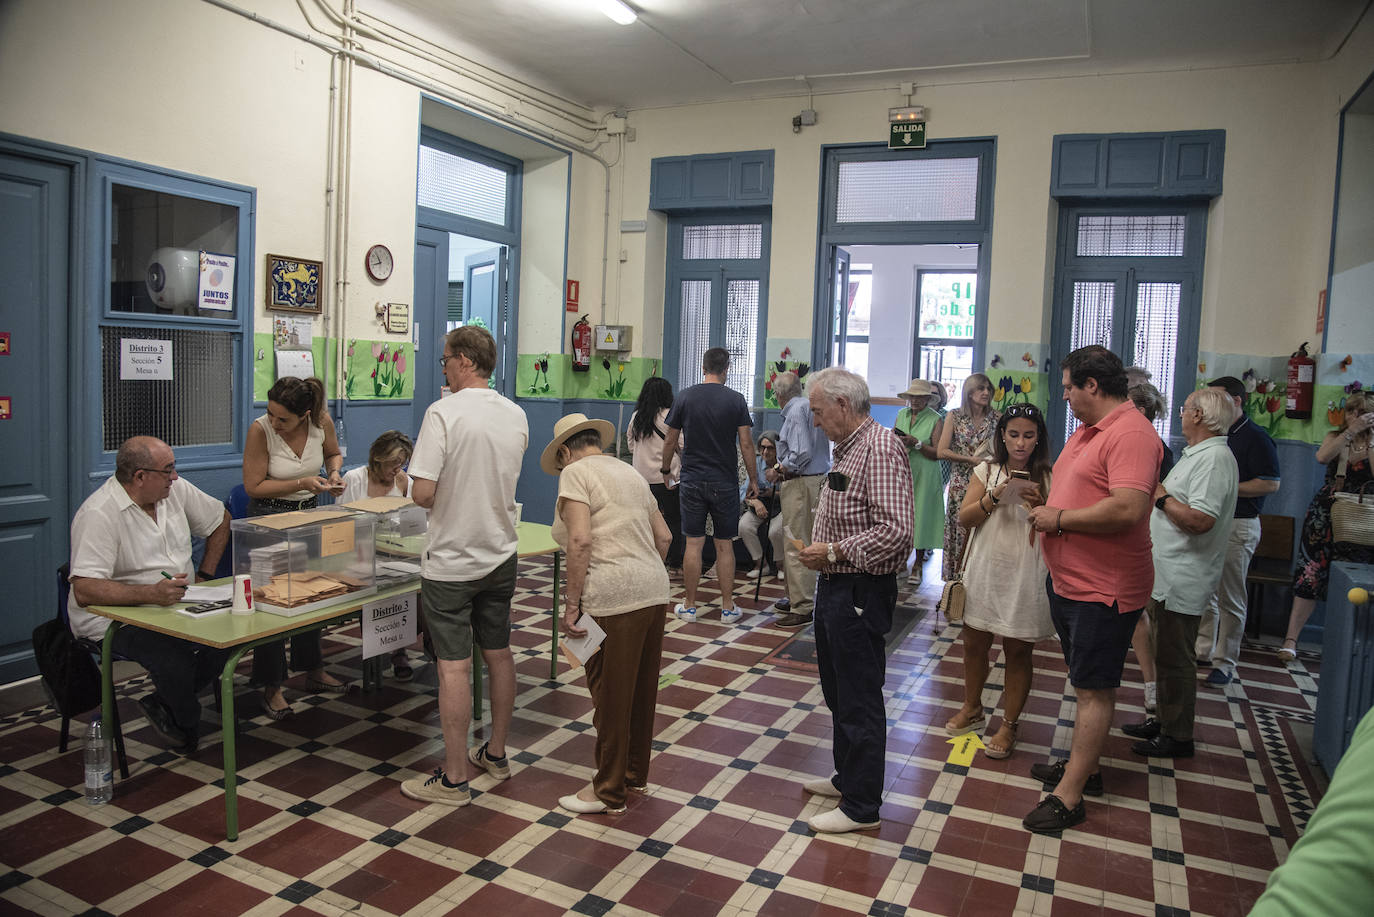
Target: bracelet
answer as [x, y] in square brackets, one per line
[993, 497]
[985, 509]
[204, 575]
[1059, 523]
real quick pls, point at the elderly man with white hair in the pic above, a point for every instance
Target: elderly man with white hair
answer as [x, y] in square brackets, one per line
[1189, 529]
[862, 538]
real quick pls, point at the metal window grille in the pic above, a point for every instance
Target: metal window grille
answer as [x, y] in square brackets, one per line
[1092, 324]
[455, 184]
[728, 242]
[1156, 340]
[907, 190]
[741, 334]
[1131, 236]
[695, 326]
[193, 408]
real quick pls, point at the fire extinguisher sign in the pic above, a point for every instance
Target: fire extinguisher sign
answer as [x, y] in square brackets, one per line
[573, 292]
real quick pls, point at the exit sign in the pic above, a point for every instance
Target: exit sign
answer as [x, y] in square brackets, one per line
[907, 135]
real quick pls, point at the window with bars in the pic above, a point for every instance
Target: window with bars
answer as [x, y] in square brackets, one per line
[1131, 236]
[722, 242]
[907, 190]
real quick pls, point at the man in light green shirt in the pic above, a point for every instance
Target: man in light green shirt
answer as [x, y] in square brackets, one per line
[1189, 529]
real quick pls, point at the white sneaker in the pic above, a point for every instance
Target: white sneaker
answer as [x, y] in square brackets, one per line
[821, 786]
[836, 822]
[688, 615]
[1151, 697]
[731, 615]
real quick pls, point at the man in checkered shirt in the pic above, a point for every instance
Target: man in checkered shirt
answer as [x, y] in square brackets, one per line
[862, 534]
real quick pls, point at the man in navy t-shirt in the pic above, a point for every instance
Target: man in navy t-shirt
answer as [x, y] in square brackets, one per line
[711, 418]
[1223, 622]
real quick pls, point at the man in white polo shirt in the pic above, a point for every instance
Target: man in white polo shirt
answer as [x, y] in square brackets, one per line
[465, 467]
[131, 545]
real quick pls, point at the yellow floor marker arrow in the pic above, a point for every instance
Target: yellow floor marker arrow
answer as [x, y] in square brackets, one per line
[667, 678]
[965, 747]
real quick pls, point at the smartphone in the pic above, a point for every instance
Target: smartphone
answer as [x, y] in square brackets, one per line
[205, 609]
[1024, 475]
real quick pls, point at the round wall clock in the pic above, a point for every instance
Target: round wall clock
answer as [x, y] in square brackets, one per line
[379, 262]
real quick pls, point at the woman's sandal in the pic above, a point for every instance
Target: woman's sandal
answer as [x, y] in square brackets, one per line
[955, 728]
[324, 687]
[272, 712]
[1287, 654]
[997, 753]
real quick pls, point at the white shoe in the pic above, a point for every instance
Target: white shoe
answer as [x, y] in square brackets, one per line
[731, 615]
[685, 614]
[574, 803]
[1151, 697]
[822, 786]
[836, 822]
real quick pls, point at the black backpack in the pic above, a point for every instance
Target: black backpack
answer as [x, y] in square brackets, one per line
[69, 673]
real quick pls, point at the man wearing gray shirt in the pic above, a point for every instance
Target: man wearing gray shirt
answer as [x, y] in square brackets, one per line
[803, 460]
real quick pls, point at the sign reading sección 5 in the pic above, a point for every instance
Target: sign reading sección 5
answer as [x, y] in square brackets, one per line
[144, 359]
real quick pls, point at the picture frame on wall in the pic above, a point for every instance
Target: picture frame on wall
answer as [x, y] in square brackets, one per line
[293, 284]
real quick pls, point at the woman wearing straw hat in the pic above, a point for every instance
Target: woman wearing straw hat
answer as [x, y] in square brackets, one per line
[916, 428]
[608, 524]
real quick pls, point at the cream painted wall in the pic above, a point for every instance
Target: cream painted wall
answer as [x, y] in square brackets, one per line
[1268, 234]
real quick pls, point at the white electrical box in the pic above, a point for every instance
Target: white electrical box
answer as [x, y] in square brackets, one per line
[613, 337]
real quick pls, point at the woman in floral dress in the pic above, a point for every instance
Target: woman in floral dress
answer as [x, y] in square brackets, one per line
[965, 441]
[1317, 548]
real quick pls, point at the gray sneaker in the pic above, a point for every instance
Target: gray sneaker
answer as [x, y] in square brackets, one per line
[497, 767]
[435, 789]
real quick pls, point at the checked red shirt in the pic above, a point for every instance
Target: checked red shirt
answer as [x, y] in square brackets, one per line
[870, 520]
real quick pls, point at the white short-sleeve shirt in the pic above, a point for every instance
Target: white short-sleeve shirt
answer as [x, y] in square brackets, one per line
[355, 486]
[471, 445]
[114, 539]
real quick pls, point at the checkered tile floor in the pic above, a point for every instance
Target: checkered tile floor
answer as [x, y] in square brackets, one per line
[325, 830]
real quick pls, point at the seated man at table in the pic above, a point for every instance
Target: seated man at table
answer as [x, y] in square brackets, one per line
[131, 545]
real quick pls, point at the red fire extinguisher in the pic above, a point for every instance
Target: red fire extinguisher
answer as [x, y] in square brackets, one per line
[582, 347]
[1302, 371]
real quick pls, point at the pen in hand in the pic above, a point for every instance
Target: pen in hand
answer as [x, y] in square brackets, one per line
[166, 575]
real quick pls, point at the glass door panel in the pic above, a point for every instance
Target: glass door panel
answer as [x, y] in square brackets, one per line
[695, 328]
[1156, 340]
[741, 334]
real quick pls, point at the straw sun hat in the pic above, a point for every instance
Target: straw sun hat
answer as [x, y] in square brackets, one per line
[568, 427]
[918, 388]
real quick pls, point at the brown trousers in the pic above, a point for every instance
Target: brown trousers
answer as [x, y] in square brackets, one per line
[1171, 637]
[623, 681]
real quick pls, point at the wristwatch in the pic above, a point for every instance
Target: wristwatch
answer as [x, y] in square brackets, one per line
[1159, 504]
[830, 553]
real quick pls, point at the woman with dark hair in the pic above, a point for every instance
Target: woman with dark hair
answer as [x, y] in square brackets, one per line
[965, 441]
[1005, 575]
[282, 458]
[646, 433]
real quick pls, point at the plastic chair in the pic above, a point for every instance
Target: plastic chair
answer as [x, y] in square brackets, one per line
[237, 505]
[63, 592]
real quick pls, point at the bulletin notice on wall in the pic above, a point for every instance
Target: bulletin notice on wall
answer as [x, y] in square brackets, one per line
[144, 359]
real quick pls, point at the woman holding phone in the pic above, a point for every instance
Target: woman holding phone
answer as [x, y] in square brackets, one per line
[1005, 575]
[282, 458]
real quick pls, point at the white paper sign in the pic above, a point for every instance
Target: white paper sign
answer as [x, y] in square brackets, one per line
[215, 290]
[143, 359]
[389, 624]
[298, 363]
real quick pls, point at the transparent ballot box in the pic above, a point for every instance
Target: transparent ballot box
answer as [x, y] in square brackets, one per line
[304, 560]
[401, 536]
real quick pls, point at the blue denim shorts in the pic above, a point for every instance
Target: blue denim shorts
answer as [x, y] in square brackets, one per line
[719, 500]
[1094, 638]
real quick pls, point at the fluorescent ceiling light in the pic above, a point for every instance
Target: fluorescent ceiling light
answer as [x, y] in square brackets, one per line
[617, 11]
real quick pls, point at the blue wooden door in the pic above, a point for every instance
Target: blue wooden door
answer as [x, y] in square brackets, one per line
[34, 207]
[484, 299]
[430, 317]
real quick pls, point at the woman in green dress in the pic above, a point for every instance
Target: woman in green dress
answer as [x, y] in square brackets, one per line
[915, 427]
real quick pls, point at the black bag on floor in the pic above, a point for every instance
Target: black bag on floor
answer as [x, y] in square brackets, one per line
[71, 675]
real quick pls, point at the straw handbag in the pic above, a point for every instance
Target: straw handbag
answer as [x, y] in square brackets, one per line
[1352, 517]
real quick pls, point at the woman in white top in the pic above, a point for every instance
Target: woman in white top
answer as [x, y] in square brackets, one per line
[1004, 579]
[384, 474]
[646, 433]
[282, 458]
[615, 538]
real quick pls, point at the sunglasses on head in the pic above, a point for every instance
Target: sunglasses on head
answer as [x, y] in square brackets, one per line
[1029, 411]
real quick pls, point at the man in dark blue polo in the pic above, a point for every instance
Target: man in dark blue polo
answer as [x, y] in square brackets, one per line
[1223, 623]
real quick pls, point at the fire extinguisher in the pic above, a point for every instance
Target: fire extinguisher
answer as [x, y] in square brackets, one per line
[1302, 371]
[582, 346]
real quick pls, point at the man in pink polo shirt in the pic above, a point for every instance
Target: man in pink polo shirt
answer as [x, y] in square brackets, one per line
[1096, 537]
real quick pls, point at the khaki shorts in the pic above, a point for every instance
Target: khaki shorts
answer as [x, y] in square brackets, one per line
[456, 614]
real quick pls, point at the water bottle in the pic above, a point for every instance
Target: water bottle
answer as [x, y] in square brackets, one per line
[99, 775]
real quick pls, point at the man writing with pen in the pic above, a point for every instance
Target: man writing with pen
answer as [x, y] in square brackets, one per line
[131, 545]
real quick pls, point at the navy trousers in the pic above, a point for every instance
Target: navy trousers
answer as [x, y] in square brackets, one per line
[853, 615]
[179, 668]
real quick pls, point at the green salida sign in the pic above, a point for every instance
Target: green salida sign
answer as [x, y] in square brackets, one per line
[907, 135]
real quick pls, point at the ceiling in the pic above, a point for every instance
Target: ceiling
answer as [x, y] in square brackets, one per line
[685, 51]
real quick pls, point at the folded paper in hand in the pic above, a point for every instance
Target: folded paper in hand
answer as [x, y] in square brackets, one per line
[577, 650]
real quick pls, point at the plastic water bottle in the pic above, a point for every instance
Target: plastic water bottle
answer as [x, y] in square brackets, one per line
[99, 774]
